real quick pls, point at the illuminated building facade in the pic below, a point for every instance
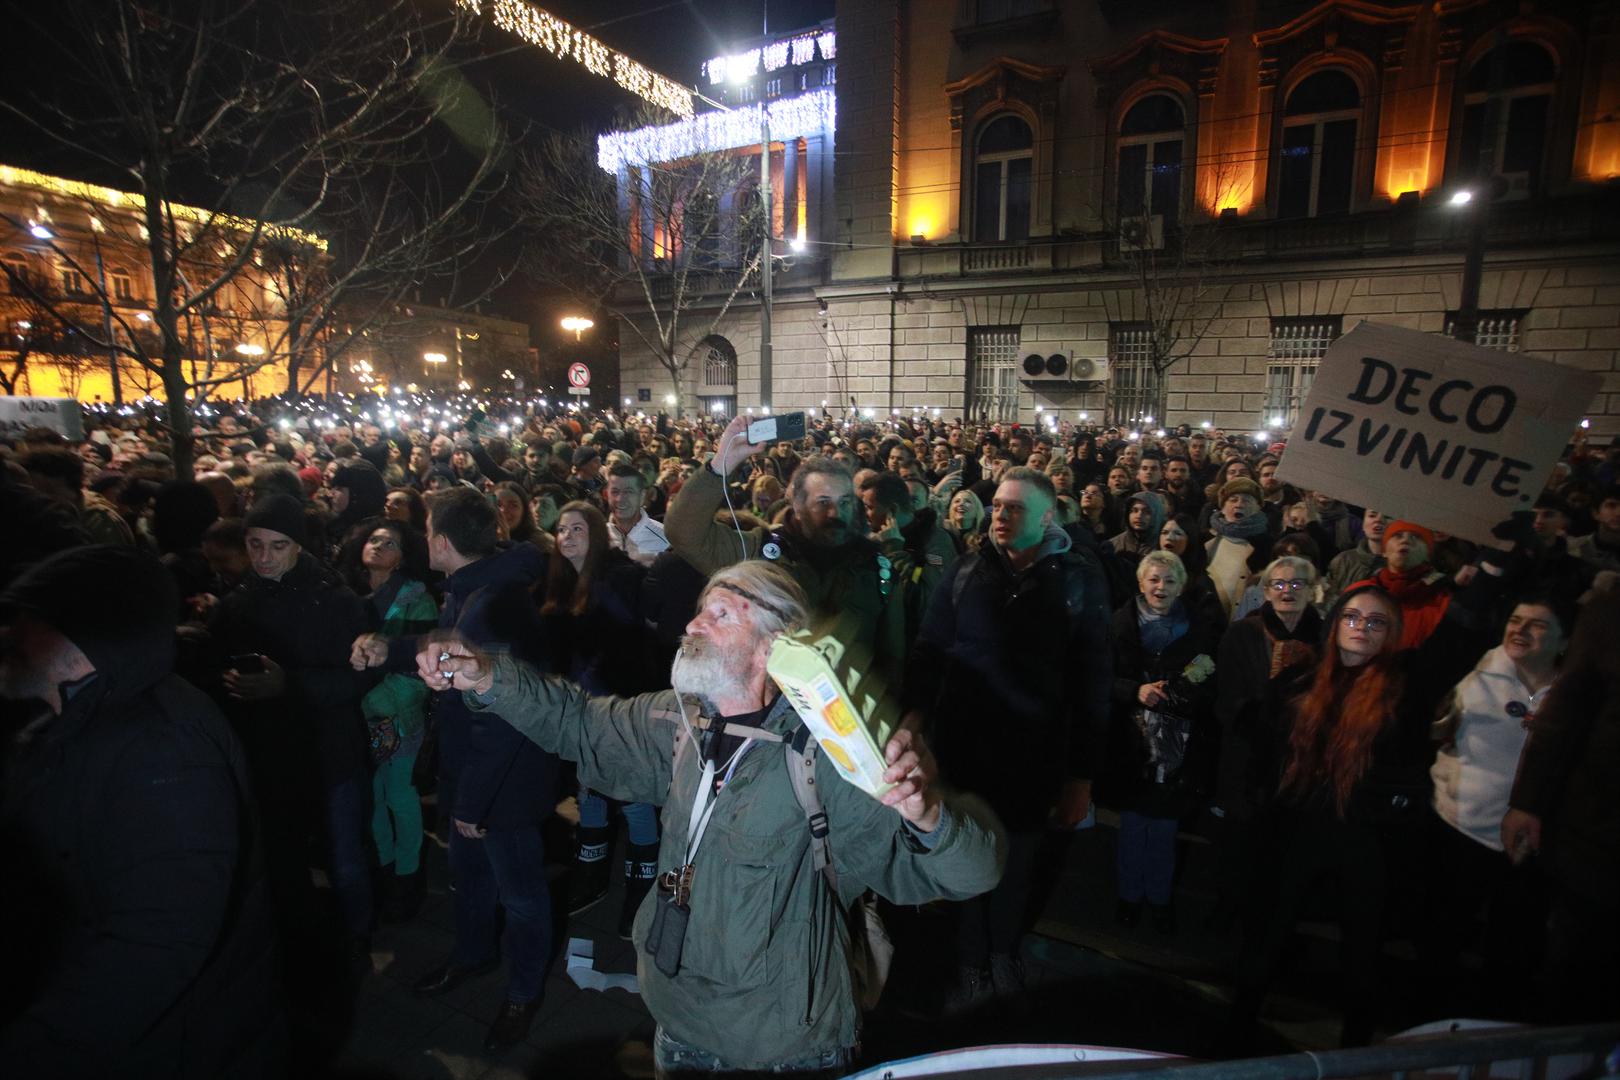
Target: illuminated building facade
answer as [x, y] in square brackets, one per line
[1019, 178]
[80, 249]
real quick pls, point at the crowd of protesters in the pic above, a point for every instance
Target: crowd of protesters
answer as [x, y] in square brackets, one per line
[1376, 724]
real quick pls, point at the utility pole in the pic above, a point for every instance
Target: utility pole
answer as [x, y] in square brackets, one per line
[766, 256]
[1466, 328]
[765, 203]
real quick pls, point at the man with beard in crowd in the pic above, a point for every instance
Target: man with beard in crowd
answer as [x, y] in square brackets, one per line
[839, 569]
[743, 927]
[1184, 496]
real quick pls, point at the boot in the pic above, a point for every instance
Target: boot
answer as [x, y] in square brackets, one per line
[409, 891]
[589, 881]
[640, 871]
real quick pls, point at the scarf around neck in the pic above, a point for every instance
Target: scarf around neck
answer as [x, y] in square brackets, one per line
[1159, 632]
[1290, 648]
[1243, 529]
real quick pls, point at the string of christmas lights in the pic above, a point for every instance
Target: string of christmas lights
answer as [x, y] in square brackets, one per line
[11, 176]
[789, 118]
[545, 31]
[776, 55]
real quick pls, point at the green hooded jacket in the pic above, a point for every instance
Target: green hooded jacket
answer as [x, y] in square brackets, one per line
[764, 976]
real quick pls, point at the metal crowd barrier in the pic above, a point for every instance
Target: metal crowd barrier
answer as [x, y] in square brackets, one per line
[1496, 1052]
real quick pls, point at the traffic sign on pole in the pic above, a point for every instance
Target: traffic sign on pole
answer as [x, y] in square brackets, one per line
[579, 375]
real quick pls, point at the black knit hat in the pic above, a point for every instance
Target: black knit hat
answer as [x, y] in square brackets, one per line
[116, 603]
[279, 513]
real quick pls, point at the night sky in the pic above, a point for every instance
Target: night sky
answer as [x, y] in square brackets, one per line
[535, 89]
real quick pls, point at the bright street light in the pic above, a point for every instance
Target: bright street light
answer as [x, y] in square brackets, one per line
[246, 349]
[1462, 197]
[435, 357]
[577, 324]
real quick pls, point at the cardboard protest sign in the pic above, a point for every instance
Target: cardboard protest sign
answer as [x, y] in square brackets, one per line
[61, 415]
[1446, 434]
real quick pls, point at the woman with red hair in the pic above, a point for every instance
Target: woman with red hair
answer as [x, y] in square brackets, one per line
[1353, 755]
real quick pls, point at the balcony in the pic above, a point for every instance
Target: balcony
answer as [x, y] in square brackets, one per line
[963, 260]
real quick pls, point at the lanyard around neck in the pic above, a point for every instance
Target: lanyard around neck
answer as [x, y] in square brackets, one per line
[703, 803]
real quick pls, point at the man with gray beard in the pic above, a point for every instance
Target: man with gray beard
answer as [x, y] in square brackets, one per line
[742, 927]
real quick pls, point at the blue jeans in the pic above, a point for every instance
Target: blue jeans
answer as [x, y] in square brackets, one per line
[1147, 857]
[351, 869]
[506, 869]
[640, 819]
[396, 815]
[675, 1060]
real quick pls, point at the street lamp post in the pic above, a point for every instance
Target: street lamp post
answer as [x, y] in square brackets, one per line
[765, 257]
[1477, 201]
[577, 325]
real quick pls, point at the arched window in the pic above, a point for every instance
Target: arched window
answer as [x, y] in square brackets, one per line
[719, 363]
[1002, 164]
[718, 389]
[1507, 105]
[1318, 157]
[1150, 152]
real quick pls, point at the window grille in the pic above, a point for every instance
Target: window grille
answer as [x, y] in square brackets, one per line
[993, 374]
[1496, 329]
[719, 364]
[1296, 350]
[1133, 388]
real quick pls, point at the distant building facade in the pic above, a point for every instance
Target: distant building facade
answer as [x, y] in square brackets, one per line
[77, 275]
[1186, 203]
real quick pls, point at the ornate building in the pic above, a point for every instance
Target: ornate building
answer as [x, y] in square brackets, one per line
[1164, 212]
[77, 274]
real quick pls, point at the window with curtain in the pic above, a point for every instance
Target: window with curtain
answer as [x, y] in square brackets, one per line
[1151, 139]
[1507, 104]
[1317, 160]
[1003, 163]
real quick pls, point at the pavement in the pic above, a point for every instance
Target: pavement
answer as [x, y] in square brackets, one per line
[1089, 981]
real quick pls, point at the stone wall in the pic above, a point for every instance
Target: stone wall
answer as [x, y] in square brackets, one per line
[909, 350]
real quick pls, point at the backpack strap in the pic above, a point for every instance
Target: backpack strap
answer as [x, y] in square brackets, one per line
[801, 766]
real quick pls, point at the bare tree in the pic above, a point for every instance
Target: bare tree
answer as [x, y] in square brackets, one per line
[31, 333]
[666, 247]
[251, 130]
[1174, 291]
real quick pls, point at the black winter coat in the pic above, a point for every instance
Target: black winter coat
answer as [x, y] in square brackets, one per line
[489, 773]
[1130, 781]
[307, 623]
[1014, 671]
[141, 941]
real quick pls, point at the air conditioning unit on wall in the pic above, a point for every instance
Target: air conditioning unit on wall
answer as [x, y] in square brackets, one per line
[1142, 233]
[1060, 368]
[1087, 369]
